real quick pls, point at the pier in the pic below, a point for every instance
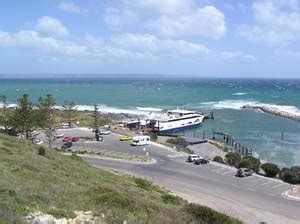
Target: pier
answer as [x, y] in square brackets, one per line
[232, 143]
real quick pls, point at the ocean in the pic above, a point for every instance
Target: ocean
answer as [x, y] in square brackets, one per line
[224, 97]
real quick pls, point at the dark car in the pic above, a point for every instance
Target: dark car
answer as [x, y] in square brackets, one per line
[244, 172]
[201, 161]
[67, 145]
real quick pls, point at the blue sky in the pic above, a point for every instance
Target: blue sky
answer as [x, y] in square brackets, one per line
[207, 38]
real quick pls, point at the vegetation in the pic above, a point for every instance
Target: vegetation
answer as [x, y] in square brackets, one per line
[46, 116]
[291, 175]
[206, 215]
[271, 170]
[233, 159]
[59, 185]
[69, 112]
[23, 118]
[4, 113]
[218, 159]
[153, 136]
[250, 162]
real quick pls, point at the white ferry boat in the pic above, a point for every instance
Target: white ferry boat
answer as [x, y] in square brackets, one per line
[178, 120]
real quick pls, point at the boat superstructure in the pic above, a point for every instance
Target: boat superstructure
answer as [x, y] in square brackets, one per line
[178, 120]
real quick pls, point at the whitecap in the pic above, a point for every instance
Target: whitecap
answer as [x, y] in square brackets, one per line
[239, 94]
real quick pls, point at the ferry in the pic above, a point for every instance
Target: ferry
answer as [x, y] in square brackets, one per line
[178, 120]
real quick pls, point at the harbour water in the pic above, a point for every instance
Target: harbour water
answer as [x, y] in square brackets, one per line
[225, 97]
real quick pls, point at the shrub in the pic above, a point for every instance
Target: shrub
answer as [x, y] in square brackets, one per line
[153, 136]
[291, 175]
[170, 199]
[203, 214]
[250, 162]
[41, 151]
[179, 142]
[270, 169]
[233, 159]
[218, 159]
[142, 183]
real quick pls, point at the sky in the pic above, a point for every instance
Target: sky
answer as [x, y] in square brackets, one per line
[202, 38]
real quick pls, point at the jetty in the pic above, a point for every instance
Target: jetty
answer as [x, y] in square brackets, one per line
[273, 111]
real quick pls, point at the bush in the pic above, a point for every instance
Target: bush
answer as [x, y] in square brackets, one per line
[291, 175]
[170, 199]
[142, 183]
[218, 159]
[42, 151]
[179, 142]
[153, 136]
[233, 159]
[250, 162]
[270, 169]
[203, 214]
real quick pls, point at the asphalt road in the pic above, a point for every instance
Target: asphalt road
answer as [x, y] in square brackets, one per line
[253, 199]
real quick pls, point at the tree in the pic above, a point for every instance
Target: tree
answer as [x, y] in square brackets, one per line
[96, 119]
[23, 117]
[46, 116]
[69, 111]
[4, 113]
[291, 175]
[271, 170]
[219, 159]
[250, 162]
[233, 159]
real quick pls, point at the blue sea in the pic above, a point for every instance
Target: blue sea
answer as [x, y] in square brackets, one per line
[224, 97]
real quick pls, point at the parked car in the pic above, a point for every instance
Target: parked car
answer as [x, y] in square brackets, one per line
[59, 135]
[67, 145]
[104, 132]
[244, 172]
[38, 141]
[125, 138]
[67, 139]
[75, 139]
[201, 161]
[192, 157]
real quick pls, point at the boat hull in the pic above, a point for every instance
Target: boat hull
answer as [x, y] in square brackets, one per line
[173, 131]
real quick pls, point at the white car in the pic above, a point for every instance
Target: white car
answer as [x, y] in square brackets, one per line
[104, 132]
[59, 135]
[38, 141]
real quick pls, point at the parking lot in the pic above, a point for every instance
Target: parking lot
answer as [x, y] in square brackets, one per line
[212, 184]
[272, 187]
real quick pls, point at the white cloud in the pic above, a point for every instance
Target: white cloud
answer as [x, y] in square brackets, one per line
[276, 22]
[32, 39]
[237, 54]
[165, 6]
[116, 18]
[149, 44]
[51, 25]
[203, 22]
[129, 45]
[174, 18]
[70, 7]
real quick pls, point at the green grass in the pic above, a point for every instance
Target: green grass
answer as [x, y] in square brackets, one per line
[33, 179]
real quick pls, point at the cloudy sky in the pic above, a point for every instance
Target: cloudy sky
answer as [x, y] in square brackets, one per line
[208, 38]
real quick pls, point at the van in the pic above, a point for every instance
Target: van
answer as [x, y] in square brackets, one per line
[140, 140]
[244, 172]
[193, 157]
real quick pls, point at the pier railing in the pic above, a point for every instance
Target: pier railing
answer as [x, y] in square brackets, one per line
[232, 143]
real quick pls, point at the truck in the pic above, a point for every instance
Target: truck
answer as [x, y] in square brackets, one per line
[140, 140]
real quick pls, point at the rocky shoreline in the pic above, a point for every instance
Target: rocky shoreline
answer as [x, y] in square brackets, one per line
[273, 111]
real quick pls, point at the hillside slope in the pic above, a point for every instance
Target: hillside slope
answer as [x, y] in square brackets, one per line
[59, 185]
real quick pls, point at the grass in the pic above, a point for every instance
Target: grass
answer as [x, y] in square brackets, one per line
[59, 185]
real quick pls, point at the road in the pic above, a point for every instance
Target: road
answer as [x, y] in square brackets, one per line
[253, 199]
